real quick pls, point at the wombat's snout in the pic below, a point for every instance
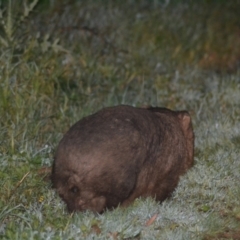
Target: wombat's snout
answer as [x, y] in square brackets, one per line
[96, 204]
[121, 153]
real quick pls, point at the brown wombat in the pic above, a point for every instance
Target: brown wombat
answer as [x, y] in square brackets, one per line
[121, 153]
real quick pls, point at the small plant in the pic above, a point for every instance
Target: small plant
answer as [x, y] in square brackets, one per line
[12, 19]
[15, 38]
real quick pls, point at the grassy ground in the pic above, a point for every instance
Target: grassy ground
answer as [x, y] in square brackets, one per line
[67, 60]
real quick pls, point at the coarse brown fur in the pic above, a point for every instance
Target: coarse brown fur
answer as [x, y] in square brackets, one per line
[121, 153]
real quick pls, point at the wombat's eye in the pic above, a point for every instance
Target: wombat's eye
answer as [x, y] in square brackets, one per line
[74, 189]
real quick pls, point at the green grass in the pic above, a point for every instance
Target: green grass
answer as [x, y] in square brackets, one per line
[67, 60]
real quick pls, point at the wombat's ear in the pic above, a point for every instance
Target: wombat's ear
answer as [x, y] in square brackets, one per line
[186, 124]
[146, 106]
[185, 120]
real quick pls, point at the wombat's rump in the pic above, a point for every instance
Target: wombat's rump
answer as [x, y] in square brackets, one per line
[120, 153]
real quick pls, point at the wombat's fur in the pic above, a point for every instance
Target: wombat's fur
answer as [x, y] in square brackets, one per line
[120, 153]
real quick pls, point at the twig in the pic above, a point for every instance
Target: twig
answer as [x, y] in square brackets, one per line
[68, 221]
[18, 184]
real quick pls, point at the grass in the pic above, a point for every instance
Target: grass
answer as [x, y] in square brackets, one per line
[76, 57]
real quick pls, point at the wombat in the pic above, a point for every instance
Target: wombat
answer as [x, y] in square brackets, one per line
[121, 153]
